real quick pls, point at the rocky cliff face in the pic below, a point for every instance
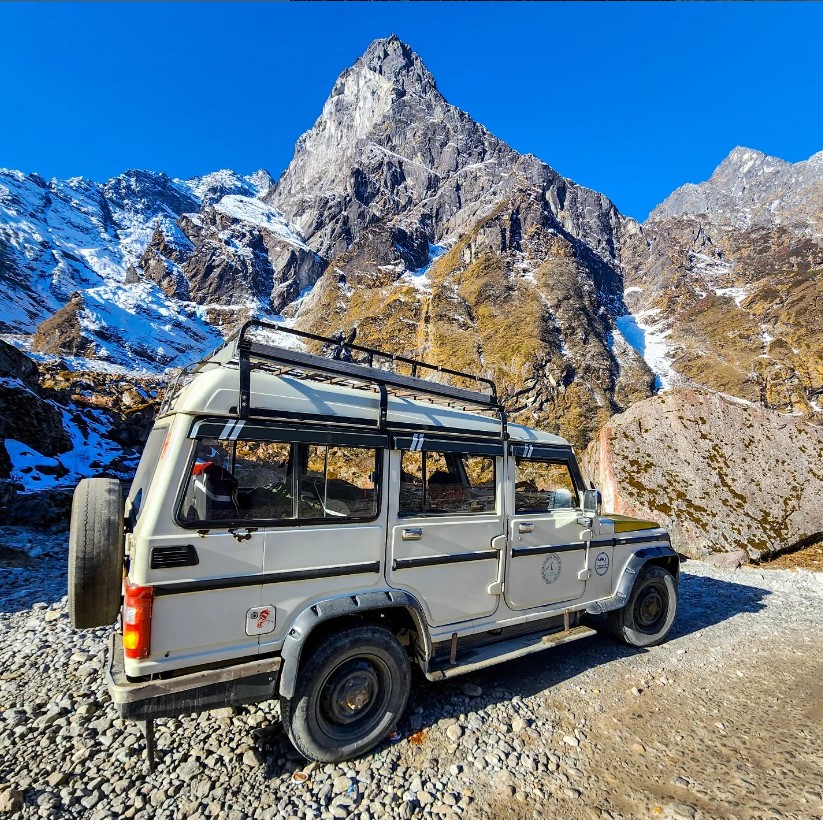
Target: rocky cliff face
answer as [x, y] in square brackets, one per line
[750, 189]
[725, 278]
[388, 145]
[722, 476]
[446, 243]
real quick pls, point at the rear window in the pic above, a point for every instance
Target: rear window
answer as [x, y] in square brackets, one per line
[278, 482]
[145, 471]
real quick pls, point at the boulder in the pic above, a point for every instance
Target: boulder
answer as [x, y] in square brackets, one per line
[28, 418]
[721, 475]
[16, 365]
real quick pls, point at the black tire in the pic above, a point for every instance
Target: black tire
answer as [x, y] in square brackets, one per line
[649, 613]
[95, 552]
[350, 693]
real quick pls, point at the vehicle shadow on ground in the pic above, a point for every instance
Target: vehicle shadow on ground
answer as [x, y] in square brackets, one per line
[703, 603]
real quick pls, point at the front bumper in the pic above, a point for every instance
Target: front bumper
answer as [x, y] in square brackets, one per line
[251, 682]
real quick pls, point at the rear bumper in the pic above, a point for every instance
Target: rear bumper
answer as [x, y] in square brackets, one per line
[251, 682]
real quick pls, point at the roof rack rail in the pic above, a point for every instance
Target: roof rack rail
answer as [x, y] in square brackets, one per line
[348, 364]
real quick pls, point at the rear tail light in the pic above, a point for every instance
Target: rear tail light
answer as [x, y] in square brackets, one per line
[137, 620]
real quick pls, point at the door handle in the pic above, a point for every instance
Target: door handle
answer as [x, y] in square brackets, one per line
[525, 526]
[412, 533]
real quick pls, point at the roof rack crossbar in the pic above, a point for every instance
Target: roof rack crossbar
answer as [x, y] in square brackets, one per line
[377, 370]
[363, 373]
[373, 355]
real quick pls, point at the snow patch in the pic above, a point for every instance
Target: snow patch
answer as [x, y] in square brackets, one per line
[255, 212]
[648, 338]
[419, 279]
[738, 294]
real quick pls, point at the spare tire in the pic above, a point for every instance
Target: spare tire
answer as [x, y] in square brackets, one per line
[95, 552]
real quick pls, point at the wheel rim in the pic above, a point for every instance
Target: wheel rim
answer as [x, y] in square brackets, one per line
[353, 698]
[650, 609]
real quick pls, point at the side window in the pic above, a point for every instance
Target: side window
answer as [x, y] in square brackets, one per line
[211, 491]
[279, 481]
[145, 470]
[434, 483]
[337, 482]
[543, 486]
[264, 474]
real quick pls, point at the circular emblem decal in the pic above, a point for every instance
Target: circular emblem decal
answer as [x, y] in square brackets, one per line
[601, 563]
[551, 568]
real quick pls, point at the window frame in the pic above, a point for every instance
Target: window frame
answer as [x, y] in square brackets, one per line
[273, 523]
[568, 463]
[424, 513]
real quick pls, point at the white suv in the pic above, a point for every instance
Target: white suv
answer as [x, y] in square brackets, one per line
[305, 527]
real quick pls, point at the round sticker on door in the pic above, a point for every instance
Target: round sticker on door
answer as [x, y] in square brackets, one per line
[601, 563]
[551, 569]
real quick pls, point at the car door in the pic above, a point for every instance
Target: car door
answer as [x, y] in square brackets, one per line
[446, 529]
[546, 550]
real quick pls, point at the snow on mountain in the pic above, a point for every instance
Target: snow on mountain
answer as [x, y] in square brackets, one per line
[211, 188]
[77, 235]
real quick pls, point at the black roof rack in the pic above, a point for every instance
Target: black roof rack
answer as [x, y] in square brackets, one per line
[347, 364]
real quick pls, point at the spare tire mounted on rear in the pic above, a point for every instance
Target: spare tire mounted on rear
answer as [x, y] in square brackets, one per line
[95, 552]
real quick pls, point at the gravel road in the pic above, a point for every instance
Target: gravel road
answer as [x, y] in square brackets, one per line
[723, 721]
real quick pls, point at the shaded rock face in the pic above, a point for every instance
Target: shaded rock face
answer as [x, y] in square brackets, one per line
[235, 255]
[16, 365]
[729, 271]
[24, 415]
[720, 475]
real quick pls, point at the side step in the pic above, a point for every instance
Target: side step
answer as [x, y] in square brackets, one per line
[482, 656]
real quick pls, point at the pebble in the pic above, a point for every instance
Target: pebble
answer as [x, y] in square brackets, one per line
[472, 690]
[454, 732]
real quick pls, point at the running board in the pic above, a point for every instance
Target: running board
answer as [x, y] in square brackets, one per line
[482, 656]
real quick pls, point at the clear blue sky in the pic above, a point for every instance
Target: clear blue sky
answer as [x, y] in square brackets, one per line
[630, 99]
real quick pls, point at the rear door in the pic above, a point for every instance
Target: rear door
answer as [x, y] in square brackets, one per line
[547, 553]
[445, 526]
[207, 575]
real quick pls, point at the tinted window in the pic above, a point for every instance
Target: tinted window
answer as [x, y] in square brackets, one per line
[279, 481]
[542, 486]
[434, 483]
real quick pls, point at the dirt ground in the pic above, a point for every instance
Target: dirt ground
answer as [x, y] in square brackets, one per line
[725, 720]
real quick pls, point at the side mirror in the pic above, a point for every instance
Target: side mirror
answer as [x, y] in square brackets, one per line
[592, 502]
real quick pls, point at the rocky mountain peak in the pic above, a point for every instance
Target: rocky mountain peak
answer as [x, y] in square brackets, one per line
[392, 60]
[749, 189]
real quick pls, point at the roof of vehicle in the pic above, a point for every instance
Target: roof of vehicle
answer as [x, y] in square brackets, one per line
[214, 392]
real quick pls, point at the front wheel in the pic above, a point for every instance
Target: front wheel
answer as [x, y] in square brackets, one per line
[649, 613]
[350, 693]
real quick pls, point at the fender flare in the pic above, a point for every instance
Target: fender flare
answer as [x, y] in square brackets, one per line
[322, 611]
[629, 575]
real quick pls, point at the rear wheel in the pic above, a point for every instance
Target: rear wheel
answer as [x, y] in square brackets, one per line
[649, 613]
[95, 552]
[350, 693]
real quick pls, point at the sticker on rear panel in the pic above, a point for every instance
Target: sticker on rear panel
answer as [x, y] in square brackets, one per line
[551, 568]
[260, 620]
[601, 563]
